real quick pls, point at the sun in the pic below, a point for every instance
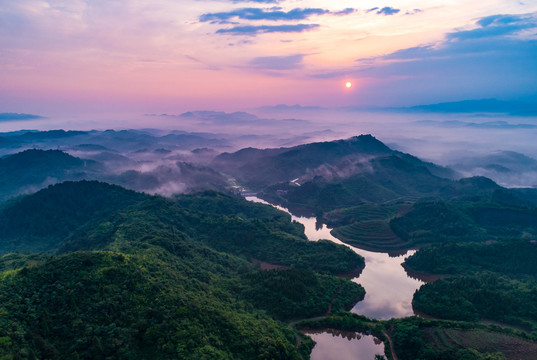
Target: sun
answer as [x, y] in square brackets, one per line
[348, 85]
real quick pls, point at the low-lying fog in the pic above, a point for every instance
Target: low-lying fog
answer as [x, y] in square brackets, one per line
[494, 145]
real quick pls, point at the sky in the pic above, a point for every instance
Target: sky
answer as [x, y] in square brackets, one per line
[169, 56]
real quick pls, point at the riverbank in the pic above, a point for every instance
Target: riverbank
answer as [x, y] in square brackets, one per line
[344, 322]
[390, 286]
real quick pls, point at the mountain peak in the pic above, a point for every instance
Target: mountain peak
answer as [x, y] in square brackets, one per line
[285, 164]
[366, 144]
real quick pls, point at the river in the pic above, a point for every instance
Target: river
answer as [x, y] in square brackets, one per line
[388, 287]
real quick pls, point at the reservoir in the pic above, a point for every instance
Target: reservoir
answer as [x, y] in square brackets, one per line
[388, 287]
[389, 292]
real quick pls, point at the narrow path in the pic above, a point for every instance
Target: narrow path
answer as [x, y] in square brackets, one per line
[298, 339]
[390, 342]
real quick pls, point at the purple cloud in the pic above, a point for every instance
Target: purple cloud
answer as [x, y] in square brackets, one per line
[274, 14]
[19, 116]
[258, 1]
[251, 30]
[497, 25]
[290, 62]
[345, 11]
[388, 11]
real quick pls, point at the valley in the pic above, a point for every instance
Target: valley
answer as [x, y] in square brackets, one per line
[337, 227]
[268, 180]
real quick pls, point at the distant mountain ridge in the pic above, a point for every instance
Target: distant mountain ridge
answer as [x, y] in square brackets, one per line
[51, 134]
[257, 167]
[33, 169]
[511, 107]
[505, 167]
[342, 180]
[483, 105]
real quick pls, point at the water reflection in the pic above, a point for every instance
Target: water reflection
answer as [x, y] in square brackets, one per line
[389, 289]
[349, 335]
[344, 345]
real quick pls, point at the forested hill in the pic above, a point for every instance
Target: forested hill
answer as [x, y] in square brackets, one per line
[258, 168]
[88, 214]
[380, 198]
[30, 170]
[44, 220]
[132, 276]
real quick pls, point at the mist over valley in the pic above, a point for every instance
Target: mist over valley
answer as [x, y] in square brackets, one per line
[268, 179]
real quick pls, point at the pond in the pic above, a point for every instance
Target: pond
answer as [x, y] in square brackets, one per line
[344, 345]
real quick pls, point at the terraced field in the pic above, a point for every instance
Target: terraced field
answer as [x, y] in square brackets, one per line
[368, 224]
[366, 211]
[371, 233]
[514, 348]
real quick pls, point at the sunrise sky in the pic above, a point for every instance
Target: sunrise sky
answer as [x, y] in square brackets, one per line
[178, 55]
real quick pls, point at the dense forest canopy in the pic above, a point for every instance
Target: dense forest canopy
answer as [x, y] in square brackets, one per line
[93, 270]
[127, 275]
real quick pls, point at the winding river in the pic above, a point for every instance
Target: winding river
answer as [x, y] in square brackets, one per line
[389, 292]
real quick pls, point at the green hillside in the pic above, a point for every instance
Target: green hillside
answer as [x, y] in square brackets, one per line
[487, 281]
[43, 221]
[505, 257]
[492, 215]
[481, 296]
[132, 276]
[478, 219]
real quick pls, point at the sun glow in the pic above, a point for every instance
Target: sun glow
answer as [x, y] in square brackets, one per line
[348, 85]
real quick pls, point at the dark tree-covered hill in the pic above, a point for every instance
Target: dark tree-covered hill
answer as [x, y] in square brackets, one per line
[123, 275]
